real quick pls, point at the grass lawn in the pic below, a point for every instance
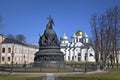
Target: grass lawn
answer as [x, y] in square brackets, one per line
[112, 75]
[21, 77]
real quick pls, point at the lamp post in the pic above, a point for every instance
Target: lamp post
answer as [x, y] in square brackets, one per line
[12, 62]
[24, 63]
[58, 64]
[41, 59]
[85, 62]
[66, 52]
[86, 59]
[74, 65]
[40, 65]
[69, 48]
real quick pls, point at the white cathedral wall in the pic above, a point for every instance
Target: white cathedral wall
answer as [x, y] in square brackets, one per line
[63, 50]
[67, 54]
[73, 52]
[87, 40]
[91, 58]
[119, 57]
[78, 50]
[83, 51]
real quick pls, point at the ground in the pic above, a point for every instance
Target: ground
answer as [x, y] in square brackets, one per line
[113, 74]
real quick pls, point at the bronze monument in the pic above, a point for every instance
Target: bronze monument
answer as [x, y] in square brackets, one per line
[49, 54]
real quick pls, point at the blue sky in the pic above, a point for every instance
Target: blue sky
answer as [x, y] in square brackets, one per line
[29, 17]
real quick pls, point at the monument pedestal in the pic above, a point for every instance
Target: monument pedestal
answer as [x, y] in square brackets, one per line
[49, 57]
[49, 64]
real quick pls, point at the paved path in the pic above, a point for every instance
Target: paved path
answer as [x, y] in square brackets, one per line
[97, 71]
[50, 76]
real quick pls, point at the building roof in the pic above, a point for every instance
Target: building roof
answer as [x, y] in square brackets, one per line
[10, 40]
[31, 45]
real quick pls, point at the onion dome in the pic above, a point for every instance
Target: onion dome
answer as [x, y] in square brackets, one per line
[85, 35]
[74, 36]
[64, 37]
[79, 33]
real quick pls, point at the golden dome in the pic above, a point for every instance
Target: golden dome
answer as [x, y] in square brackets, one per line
[79, 33]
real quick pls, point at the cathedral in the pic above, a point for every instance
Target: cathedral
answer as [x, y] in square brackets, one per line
[79, 49]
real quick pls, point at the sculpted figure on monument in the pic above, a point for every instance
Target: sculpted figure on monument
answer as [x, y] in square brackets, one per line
[49, 38]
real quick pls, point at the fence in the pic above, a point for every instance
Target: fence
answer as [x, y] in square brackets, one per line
[66, 68]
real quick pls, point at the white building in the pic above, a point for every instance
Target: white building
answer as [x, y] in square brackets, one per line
[78, 49]
[23, 52]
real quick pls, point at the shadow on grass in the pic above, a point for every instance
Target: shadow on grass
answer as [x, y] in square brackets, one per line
[21, 77]
[112, 75]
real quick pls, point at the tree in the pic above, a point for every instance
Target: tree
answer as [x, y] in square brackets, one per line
[10, 36]
[0, 20]
[20, 37]
[105, 29]
[95, 38]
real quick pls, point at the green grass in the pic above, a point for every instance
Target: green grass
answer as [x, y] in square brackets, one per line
[21, 77]
[112, 75]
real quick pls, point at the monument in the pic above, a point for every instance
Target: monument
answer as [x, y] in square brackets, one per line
[49, 54]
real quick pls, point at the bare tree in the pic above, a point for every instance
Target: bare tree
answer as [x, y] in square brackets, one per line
[116, 23]
[20, 37]
[95, 41]
[0, 21]
[105, 29]
[10, 36]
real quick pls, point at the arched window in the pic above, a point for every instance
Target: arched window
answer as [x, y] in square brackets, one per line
[9, 50]
[8, 58]
[3, 50]
[79, 54]
[72, 57]
[68, 57]
[3, 58]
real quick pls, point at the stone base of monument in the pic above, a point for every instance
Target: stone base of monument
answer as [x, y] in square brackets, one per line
[49, 64]
[49, 57]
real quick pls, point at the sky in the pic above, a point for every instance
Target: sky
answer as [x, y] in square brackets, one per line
[29, 17]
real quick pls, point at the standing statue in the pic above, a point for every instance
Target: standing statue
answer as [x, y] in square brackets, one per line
[49, 38]
[50, 23]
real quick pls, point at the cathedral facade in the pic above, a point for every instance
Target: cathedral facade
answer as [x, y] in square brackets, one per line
[79, 49]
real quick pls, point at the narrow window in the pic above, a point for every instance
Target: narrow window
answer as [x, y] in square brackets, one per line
[68, 57]
[72, 57]
[3, 50]
[79, 54]
[3, 58]
[8, 58]
[9, 50]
